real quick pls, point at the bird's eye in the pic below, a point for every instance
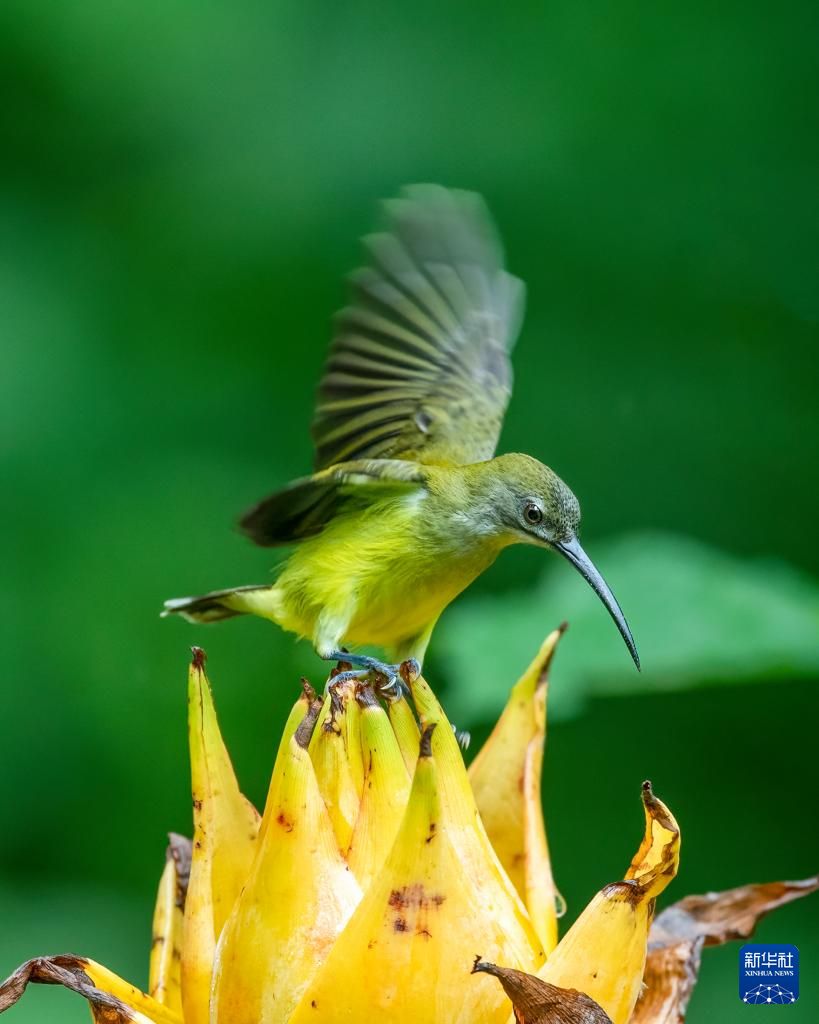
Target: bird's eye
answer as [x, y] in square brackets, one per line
[532, 514]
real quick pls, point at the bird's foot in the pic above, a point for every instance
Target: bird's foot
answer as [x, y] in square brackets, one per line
[396, 677]
[463, 737]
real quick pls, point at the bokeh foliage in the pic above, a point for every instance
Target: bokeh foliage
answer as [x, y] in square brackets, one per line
[181, 187]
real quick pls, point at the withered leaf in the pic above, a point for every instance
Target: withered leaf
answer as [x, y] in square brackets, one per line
[67, 971]
[721, 916]
[680, 932]
[538, 1002]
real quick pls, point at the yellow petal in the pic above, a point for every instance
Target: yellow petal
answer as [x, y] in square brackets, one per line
[458, 792]
[406, 731]
[386, 787]
[111, 983]
[506, 780]
[298, 897]
[307, 698]
[658, 856]
[164, 975]
[328, 750]
[224, 843]
[411, 941]
[604, 952]
[353, 744]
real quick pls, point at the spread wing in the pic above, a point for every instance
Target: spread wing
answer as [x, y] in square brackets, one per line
[304, 507]
[419, 366]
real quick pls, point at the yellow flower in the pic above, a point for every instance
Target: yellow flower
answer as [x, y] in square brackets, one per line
[378, 871]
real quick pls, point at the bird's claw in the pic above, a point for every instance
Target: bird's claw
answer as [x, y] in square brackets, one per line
[391, 682]
[347, 676]
[463, 736]
[389, 687]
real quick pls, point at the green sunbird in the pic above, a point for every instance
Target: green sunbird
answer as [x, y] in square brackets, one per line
[408, 504]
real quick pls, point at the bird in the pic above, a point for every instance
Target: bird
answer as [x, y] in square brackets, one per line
[408, 503]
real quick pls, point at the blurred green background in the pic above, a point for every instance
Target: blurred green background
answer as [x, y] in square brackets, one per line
[181, 190]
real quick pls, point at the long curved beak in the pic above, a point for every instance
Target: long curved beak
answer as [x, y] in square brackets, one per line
[574, 553]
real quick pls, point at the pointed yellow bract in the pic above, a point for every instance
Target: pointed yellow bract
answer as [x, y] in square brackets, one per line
[224, 842]
[603, 954]
[353, 743]
[458, 793]
[307, 698]
[338, 782]
[406, 731]
[371, 883]
[506, 781]
[140, 1002]
[164, 973]
[406, 939]
[298, 897]
[386, 787]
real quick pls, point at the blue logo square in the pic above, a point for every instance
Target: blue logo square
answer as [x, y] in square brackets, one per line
[768, 974]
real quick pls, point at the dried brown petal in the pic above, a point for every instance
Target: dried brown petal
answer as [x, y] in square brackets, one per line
[538, 1002]
[680, 932]
[721, 916]
[69, 971]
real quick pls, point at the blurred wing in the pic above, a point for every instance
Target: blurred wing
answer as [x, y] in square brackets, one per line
[419, 367]
[304, 507]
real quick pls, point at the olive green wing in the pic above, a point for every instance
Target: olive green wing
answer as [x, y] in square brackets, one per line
[419, 366]
[304, 507]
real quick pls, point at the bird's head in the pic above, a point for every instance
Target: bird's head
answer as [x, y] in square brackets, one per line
[528, 503]
[531, 503]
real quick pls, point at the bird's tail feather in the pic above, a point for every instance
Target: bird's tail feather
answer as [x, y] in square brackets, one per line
[212, 607]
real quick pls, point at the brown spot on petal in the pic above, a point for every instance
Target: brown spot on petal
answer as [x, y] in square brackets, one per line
[414, 896]
[365, 696]
[412, 906]
[626, 891]
[336, 709]
[655, 808]
[543, 674]
[307, 725]
[407, 673]
[284, 821]
[425, 749]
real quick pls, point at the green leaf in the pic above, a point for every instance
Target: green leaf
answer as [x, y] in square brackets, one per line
[700, 616]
